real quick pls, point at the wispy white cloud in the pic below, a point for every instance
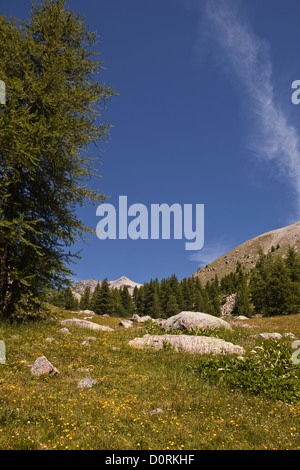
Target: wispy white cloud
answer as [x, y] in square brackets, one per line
[210, 252]
[247, 57]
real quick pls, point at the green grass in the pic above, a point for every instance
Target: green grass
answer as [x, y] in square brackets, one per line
[198, 412]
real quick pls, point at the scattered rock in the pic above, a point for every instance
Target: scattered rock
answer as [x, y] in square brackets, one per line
[268, 335]
[50, 340]
[64, 331]
[2, 353]
[145, 318]
[137, 319]
[42, 366]
[158, 321]
[87, 312]
[87, 383]
[154, 412]
[194, 320]
[242, 324]
[86, 324]
[242, 317]
[188, 343]
[126, 323]
[289, 335]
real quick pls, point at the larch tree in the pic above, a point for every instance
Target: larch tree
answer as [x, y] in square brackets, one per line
[52, 115]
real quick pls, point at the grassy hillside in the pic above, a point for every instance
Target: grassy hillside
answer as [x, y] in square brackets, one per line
[248, 253]
[53, 413]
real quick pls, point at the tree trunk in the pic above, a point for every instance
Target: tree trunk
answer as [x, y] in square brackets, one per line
[9, 212]
[4, 277]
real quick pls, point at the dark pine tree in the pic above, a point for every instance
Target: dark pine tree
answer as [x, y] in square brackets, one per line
[51, 118]
[85, 300]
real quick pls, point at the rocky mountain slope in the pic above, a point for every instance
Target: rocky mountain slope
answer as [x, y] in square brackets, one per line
[247, 253]
[80, 286]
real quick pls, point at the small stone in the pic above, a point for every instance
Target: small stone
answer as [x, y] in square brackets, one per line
[42, 366]
[64, 331]
[155, 412]
[289, 335]
[158, 321]
[50, 340]
[268, 335]
[2, 353]
[87, 312]
[126, 323]
[137, 319]
[87, 383]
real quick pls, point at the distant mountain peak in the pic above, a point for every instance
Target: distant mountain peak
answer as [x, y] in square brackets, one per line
[80, 286]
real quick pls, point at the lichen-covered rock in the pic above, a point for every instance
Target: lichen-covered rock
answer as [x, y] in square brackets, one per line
[194, 320]
[188, 343]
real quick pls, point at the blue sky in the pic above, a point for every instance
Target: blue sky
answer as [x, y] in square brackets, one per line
[204, 116]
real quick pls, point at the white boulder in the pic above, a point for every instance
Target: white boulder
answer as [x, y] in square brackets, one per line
[193, 320]
[188, 343]
[86, 324]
